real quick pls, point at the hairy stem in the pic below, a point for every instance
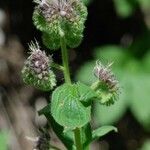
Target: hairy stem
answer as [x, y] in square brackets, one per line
[77, 137]
[68, 80]
[65, 61]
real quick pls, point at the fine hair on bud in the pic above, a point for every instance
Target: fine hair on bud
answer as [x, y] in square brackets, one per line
[104, 74]
[38, 61]
[59, 19]
[56, 8]
[37, 69]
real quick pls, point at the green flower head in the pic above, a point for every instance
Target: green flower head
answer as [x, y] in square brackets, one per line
[37, 70]
[60, 18]
[108, 85]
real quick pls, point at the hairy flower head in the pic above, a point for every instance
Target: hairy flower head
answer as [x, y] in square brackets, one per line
[105, 74]
[109, 88]
[60, 18]
[37, 70]
[57, 8]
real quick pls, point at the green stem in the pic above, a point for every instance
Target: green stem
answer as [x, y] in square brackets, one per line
[65, 60]
[68, 80]
[77, 137]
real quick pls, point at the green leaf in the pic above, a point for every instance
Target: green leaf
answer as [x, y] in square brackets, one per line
[97, 133]
[146, 62]
[65, 138]
[124, 8]
[145, 4]
[140, 99]
[104, 115]
[86, 2]
[85, 92]
[86, 134]
[3, 140]
[112, 53]
[146, 145]
[85, 73]
[66, 108]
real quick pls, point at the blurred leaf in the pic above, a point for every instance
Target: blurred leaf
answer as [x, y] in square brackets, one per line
[146, 145]
[105, 115]
[132, 67]
[124, 8]
[144, 3]
[3, 140]
[146, 62]
[97, 133]
[112, 53]
[140, 99]
[86, 2]
[141, 44]
[85, 73]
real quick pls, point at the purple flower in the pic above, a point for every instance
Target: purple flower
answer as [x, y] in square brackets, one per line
[104, 74]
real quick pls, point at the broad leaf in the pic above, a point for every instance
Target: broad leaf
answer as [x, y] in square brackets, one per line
[97, 133]
[66, 108]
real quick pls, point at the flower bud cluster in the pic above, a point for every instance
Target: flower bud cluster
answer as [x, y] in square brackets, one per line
[60, 18]
[108, 91]
[105, 74]
[37, 70]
